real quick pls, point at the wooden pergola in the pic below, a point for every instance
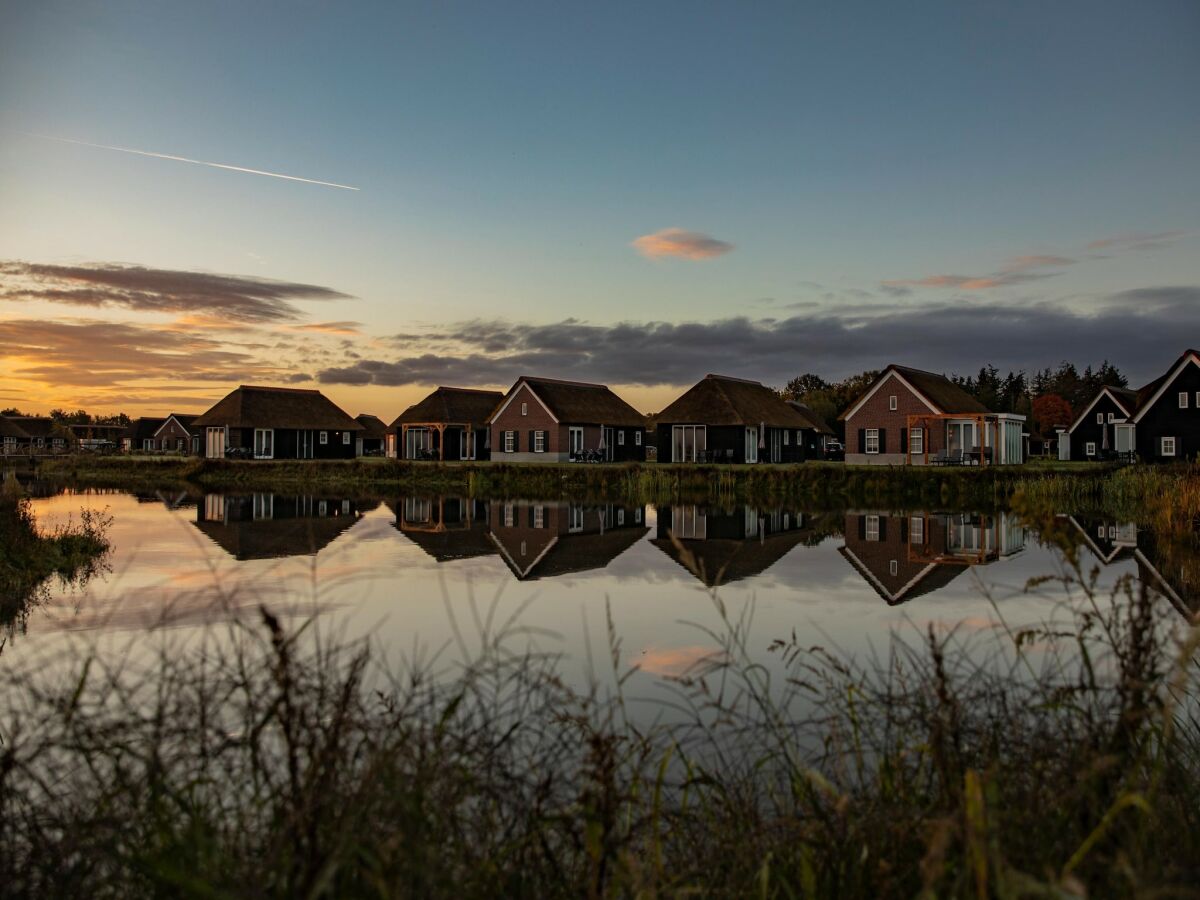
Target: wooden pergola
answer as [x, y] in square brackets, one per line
[924, 553]
[440, 428]
[981, 420]
[437, 523]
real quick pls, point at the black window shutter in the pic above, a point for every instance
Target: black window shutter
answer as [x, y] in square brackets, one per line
[862, 440]
[862, 528]
[531, 516]
[883, 440]
[532, 440]
[883, 520]
[516, 441]
[903, 440]
[904, 529]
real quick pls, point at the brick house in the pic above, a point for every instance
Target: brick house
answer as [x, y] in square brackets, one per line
[178, 435]
[139, 434]
[277, 423]
[1158, 423]
[546, 420]
[911, 417]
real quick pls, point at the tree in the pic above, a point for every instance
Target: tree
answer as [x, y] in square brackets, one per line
[1050, 410]
[801, 385]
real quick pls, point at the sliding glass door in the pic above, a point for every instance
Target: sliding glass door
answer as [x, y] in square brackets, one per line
[688, 443]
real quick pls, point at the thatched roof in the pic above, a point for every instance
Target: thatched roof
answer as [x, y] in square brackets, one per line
[724, 560]
[578, 402]
[373, 427]
[721, 400]
[36, 426]
[10, 429]
[453, 406]
[940, 391]
[272, 407]
[142, 429]
[815, 422]
[932, 579]
[568, 554]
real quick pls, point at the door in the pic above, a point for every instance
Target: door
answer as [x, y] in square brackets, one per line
[391, 445]
[607, 437]
[752, 445]
[1064, 445]
[304, 445]
[576, 441]
[776, 445]
[214, 443]
[1125, 438]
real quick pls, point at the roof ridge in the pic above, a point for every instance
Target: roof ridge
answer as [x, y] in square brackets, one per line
[264, 387]
[716, 377]
[585, 384]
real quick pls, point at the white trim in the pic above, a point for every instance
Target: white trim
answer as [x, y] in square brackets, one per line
[254, 441]
[879, 384]
[867, 441]
[1104, 391]
[512, 395]
[167, 421]
[1162, 446]
[865, 571]
[1167, 382]
[521, 571]
[1185, 399]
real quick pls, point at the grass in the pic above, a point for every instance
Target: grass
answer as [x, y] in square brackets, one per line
[1060, 760]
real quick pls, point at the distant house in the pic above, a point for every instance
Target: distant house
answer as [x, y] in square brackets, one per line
[178, 434]
[277, 423]
[44, 435]
[449, 424]
[546, 420]
[816, 433]
[723, 419]
[13, 438]
[140, 434]
[371, 439]
[911, 417]
[1158, 423]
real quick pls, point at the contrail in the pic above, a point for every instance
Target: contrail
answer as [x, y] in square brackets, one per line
[197, 162]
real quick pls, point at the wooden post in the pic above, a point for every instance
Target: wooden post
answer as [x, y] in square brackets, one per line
[441, 430]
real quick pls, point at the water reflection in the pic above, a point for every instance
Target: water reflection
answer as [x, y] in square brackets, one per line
[269, 526]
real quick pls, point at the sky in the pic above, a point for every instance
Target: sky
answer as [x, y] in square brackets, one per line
[637, 194]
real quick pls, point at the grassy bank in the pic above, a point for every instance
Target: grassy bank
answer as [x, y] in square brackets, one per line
[814, 485]
[268, 766]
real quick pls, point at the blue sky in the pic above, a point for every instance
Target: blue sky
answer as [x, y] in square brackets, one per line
[508, 156]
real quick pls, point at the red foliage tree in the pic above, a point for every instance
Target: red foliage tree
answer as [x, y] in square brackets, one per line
[1050, 410]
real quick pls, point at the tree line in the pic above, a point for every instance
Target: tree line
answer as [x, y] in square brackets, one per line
[73, 417]
[1050, 397]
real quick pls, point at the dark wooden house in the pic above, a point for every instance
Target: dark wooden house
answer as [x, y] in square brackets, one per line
[43, 435]
[721, 546]
[547, 420]
[140, 435]
[372, 438]
[13, 438]
[449, 529]
[731, 420]
[815, 434]
[545, 540]
[449, 424]
[269, 526]
[277, 423]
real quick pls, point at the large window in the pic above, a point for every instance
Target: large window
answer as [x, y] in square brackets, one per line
[575, 518]
[871, 441]
[751, 445]
[916, 440]
[688, 443]
[264, 443]
[510, 515]
[1167, 446]
[871, 530]
[417, 442]
[576, 442]
[916, 530]
[539, 442]
[508, 441]
[689, 523]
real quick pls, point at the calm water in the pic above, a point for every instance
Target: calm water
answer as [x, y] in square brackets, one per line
[421, 575]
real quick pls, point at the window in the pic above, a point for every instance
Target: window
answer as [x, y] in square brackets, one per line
[264, 506]
[916, 530]
[916, 440]
[147, 443]
[508, 442]
[637, 438]
[346, 437]
[872, 528]
[264, 443]
[1183, 399]
[872, 441]
[1110, 418]
[179, 443]
[322, 507]
[637, 515]
[1090, 448]
[751, 445]
[575, 518]
[345, 507]
[621, 438]
[786, 437]
[1166, 446]
[1197, 399]
[688, 443]
[323, 438]
[892, 403]
[539, 516]
[1099, 418]
[524, 409]
[539, 442]
[620, 517]
[510, 515]
[893, 568]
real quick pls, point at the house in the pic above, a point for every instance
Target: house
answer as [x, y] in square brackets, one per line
[720, 546]
[450, 424]
[44, 435]
[546, 420]
[723, 419]
[13, 438]
[373, 436]
[911, 417]
[815, 434]
[270, 526]
[91, 435]
[545, 540]
[178, 434]
[1158, 423]
[140, 434]
[906, 556]
[277, 423]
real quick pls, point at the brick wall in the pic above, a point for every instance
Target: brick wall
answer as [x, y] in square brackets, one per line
[535, 419]
[876, 414]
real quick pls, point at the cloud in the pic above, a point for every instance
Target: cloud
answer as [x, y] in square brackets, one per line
[1138, 329]
[1018, 270]
[680, 243]
[340, 328]
[205, 296]
[1137, 241]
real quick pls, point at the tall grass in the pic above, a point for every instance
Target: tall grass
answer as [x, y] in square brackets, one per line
[1054, 761]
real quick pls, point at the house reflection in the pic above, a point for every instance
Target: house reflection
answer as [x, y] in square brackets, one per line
[903, 556]
[268, 526]
[544, 540]
[1166, 568]
[719, 546]
[447, 528]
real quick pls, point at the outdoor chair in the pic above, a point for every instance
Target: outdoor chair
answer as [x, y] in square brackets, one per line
[941, 458]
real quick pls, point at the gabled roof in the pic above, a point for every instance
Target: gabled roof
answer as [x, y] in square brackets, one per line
[938, 391]
[10, 429]
[718, 561]
[1124, 398]
[568, 554]
[272, 407]
[929, 580]
[721, 400]
[143, 429]
[373, 427]
[185, 421]
[578, 402]
[36, 426]
[816, 423]
[1148, 396]
[452, 405]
